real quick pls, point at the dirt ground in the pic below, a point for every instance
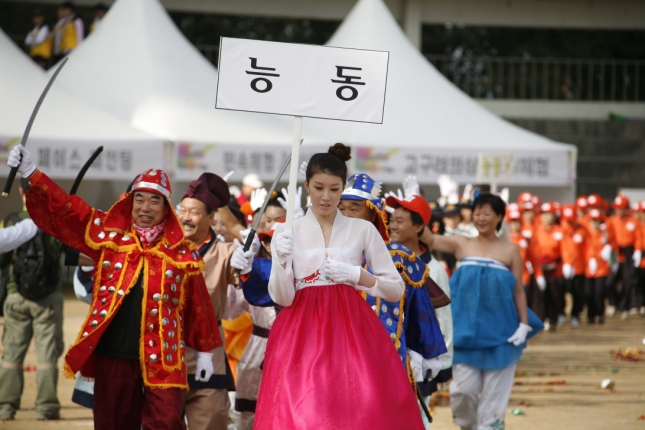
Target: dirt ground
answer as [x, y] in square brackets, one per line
[557, 384]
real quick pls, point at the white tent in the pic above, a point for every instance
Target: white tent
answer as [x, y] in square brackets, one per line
[430, 127]
[67, 130]
[139, 67]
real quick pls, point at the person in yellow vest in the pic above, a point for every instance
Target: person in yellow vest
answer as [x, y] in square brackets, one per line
[100, 9]
[68, 32]
[38, 40]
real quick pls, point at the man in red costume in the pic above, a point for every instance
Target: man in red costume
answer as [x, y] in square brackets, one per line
[149, 298]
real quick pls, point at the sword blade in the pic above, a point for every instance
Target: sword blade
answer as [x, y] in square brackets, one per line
[25, 136]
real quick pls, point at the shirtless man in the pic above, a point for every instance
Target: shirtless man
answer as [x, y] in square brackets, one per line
[489, 335]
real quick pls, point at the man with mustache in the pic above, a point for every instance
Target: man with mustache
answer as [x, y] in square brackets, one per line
[149, 300]
[207, 404]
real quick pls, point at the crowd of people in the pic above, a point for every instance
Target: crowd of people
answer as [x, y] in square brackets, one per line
[46, 46]
[352, 317]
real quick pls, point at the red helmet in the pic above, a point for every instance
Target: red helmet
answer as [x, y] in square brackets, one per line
[568, 212]
[581, 203]
[620, 202]
[537, 202]
[524, 196]
[548, 207]
[594, 201]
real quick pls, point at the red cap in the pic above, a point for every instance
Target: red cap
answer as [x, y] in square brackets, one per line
[524, 197]
[154, 181]
[528, 206]
[548, 208]
[581, 203]
[536, 201]
[514, 215]
[569, 212]
[594, 201]
[268, 234]
[620, 202]
[416, 204]
[595, 214]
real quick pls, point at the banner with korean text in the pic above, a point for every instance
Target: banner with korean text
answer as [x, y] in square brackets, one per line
[302, 80]
[62, 159]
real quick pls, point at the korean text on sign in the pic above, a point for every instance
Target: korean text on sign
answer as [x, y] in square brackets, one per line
[302, 80]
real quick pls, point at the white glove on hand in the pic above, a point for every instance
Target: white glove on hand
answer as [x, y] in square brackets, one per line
[297, 207]
[255, 245]
[411, 187]
[519, 337]
[397, 195]
[283, 245]
[605, 253]
[205, 364]
[529, 267]
[257, 198]
[468, 191]
[433, 365]
[637, 259]
[388, 209]
[567, 271]
[420, 366]
[446, 185]
[228, 175]
[541, 282]
[242, 260]
[26, 167]
[342, 273]
[505, 194]
[593, 266]
[303, 168]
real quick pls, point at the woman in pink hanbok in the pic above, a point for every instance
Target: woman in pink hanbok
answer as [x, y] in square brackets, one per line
[329, 363]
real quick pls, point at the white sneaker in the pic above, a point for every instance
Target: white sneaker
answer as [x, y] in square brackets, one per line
[624, 315]
[641, 311]
[561, 320]
[575, 323]
[611, 310]
[547, 325]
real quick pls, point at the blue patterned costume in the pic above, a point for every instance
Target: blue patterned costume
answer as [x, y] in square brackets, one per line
[485, 316]
[419, 330]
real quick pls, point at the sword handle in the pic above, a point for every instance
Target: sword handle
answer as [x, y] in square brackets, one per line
[10, 179]
[247, 246]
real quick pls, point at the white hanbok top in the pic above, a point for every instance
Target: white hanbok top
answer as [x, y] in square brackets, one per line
[352, 241]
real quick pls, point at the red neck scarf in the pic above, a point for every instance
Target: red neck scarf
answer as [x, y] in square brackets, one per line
[149, 235]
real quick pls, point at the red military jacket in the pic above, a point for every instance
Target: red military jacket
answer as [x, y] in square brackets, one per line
[177, 310]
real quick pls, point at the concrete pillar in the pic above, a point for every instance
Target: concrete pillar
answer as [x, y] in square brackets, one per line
[412, 15]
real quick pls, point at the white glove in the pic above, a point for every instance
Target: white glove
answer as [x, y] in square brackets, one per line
[220, 238]
[529, 267]
[420, 365]
[519, 337]
[637, 258]
[205, 364]
[567, 271]
[468, 190]
[342, 273]
[504, 194]
[242, 260]
[255, 245]
[541, 282]
[228, 175]
[605, 253]
[257, 198]
[297, 207]
[593, 266]
[614, 267]
[26, 166]
[397, 195]
[446, 185]
[388, 209]
[303, 168]
[411, 187]
[283, 245]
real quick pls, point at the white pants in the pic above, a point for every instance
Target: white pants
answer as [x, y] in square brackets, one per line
[473, 412]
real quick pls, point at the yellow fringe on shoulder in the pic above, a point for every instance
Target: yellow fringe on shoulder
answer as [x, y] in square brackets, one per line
[394, 252]
[407, 279]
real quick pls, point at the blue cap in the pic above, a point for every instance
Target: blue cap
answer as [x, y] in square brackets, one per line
[362, 187]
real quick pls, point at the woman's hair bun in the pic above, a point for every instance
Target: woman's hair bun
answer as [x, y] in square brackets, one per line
[341, 151]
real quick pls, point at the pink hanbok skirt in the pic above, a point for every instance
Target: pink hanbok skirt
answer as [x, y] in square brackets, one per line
[330, 365]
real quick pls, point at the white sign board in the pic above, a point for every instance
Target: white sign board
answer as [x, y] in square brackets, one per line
[495, 168]
[302, 80]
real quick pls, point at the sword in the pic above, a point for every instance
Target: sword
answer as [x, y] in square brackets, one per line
[423, 405]
[83, 170]
[256, 221]
[23, 142]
